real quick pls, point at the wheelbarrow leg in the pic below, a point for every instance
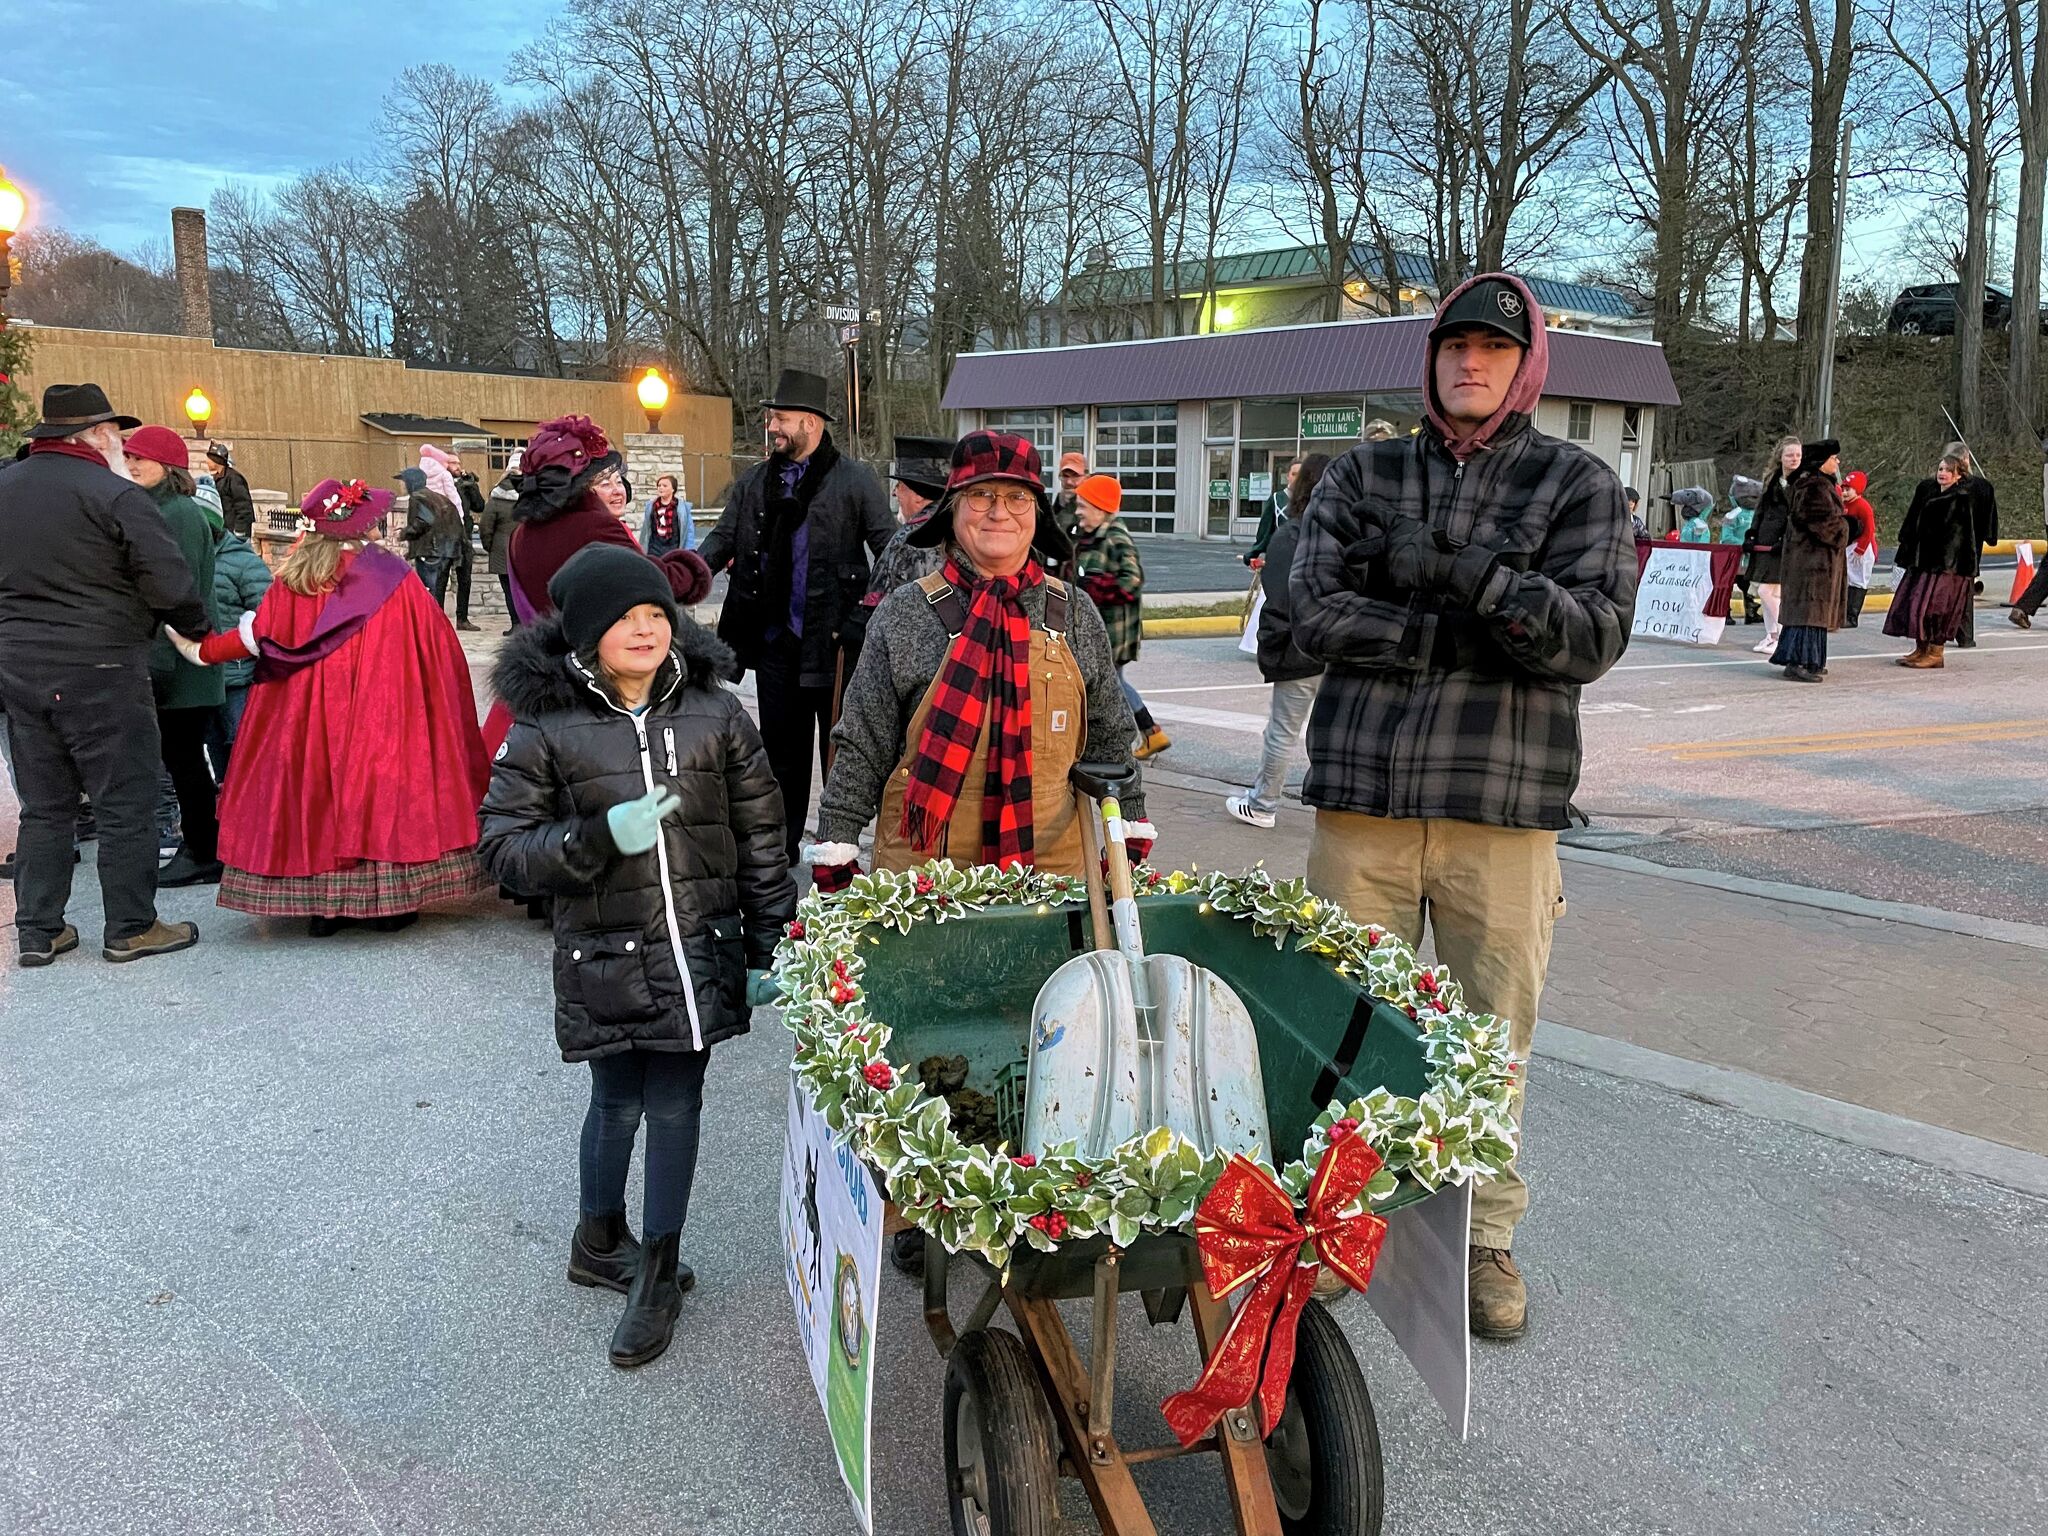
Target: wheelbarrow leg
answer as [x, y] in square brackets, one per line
[1097, 1460]
[1245, 1472]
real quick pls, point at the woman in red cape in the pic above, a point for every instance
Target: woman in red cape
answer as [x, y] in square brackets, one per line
[359, 767]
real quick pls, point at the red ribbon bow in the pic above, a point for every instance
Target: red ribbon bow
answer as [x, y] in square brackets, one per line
[1248, 1234]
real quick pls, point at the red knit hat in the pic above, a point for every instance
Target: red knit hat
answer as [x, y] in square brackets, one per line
[160, 445]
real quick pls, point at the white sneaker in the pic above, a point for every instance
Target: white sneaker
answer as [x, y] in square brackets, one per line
[1240, 807]
[1765, 646]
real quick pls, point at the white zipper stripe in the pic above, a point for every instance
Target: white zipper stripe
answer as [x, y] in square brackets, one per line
[668, 899]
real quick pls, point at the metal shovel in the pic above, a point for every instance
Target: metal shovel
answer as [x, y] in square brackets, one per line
[1122, 1041]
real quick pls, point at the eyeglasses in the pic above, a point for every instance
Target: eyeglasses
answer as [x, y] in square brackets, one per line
[1017, 503]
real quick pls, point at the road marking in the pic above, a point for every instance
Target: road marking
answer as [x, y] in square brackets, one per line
[1852, 741]
[1222, 719]
[1754, 660]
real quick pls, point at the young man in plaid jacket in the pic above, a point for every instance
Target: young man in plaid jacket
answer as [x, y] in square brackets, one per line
[1462, 586]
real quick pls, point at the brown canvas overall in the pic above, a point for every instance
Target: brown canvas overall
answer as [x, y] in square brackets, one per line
[1059, 727]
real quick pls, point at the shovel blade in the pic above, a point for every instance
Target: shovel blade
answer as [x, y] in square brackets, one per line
[1082, 1081]
[1208, 1082]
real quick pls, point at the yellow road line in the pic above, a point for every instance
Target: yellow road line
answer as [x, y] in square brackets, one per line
[1854, 741]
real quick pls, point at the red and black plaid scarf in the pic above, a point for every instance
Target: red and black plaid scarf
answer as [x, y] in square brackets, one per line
[987, 670]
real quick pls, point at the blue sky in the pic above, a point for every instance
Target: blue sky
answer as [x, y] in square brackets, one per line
[113, 111]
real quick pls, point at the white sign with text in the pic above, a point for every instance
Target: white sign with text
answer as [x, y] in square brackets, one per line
[1672, 597]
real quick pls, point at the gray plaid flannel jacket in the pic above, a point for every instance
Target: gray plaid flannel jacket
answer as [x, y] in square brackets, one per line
[1425, 712]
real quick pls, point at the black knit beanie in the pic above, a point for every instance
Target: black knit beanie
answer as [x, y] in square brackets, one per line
[600, 585]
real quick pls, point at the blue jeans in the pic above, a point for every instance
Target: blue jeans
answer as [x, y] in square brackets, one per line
[667, 1087]
[222, 728]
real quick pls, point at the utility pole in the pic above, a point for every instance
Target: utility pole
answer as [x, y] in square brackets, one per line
[1824, 404]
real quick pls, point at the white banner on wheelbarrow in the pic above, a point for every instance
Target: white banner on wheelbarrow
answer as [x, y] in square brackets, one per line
[832, 1259]
[1419, 1291]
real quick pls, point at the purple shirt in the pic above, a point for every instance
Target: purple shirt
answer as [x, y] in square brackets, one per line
[799, 550]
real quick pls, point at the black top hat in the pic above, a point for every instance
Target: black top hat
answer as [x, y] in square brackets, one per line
[69, 408]
[1490, 302]
[798, 391]
[921, 462]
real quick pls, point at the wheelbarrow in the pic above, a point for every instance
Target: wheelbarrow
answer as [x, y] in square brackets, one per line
[1023, 1409]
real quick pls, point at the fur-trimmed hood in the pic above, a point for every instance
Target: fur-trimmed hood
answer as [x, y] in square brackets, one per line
[535, 674]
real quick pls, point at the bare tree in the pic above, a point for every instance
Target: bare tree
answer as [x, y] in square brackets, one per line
[1829, 45]
[2028, 58]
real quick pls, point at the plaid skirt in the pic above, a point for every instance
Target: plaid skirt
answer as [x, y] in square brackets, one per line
[364, 889]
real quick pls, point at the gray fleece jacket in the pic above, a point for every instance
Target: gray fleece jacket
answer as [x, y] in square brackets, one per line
[906, 646]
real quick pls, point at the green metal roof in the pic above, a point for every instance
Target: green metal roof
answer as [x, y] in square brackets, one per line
[1303, 263]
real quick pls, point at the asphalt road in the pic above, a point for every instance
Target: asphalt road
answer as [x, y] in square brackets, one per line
[289, 1220]
[1908, 786]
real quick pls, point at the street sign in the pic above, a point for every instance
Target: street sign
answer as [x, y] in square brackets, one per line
[1219, 490]
[849, 335]
[1333, 421]
[842, 312]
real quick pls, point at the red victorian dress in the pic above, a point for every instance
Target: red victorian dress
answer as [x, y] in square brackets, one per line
[358, 769]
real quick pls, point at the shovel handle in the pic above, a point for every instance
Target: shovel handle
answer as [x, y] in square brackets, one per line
[1091, 854]
[1123, 899]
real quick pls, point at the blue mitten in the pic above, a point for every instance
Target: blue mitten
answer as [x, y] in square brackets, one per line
[762, 989]
[636, 824]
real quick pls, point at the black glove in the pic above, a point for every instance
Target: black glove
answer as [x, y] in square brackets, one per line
[1425, 559]
[1371, 543]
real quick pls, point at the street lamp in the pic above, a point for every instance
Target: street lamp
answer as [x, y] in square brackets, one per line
[198, 411]
[13, 209]
[653, 393]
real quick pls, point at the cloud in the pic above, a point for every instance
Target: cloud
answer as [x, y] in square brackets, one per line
[110, 131]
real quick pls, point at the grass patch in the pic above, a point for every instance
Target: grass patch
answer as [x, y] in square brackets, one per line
[1234, 609]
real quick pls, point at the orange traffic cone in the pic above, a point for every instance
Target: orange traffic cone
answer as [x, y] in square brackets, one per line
[2023, 573]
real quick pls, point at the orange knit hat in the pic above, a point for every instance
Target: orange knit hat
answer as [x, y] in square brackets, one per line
[1103, 492]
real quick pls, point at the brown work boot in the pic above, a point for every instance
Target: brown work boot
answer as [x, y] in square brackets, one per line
[35, 952]
[1500, 1307]
[1156, 741]
[1927, 660]
[1912, 660]
[162, 938]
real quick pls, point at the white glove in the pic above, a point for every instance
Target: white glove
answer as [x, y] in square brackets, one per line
[189, 649]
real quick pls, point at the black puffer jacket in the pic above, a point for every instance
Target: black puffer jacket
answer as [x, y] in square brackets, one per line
[717, 888]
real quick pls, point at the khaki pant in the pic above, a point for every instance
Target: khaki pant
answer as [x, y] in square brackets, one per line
[1490, 897]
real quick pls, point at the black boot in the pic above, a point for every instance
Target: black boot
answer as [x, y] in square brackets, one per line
[649, 1321]
[906, 1252]
[604, 1252]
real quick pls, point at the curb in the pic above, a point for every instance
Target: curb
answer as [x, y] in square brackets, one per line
[1746, 1093]
[1997, 930]
[1216, 628]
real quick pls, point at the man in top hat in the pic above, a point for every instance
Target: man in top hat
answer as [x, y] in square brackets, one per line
[1461, 587]
[237, 506]
[980, 686]
[88, 572]
[797, 533]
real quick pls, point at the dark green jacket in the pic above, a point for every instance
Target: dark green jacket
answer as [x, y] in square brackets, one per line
[240, 578]
[179, 684]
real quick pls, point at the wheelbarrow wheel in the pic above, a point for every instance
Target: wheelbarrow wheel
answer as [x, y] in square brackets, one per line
[1002, 1467]
[1324, 1454]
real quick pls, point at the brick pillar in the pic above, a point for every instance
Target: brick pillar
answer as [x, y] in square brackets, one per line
[195, 291]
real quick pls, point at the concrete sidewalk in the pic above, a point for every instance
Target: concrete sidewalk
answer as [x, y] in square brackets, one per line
[1937, 1026]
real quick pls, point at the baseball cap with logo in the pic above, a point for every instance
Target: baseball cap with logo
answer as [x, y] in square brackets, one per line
[1492, 303]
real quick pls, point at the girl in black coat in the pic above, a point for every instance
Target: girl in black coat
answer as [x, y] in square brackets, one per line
[634, 790]
[1937, 564]
[1765, 541]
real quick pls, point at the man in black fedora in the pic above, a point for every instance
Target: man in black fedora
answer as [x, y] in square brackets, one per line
[88, 573]
[796, 535]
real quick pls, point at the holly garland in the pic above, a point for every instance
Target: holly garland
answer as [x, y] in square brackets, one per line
[986, 1202]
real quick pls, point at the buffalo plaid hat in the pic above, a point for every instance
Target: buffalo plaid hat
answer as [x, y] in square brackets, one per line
[983, 456]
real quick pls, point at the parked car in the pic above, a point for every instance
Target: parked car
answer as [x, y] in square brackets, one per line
[1930, 310]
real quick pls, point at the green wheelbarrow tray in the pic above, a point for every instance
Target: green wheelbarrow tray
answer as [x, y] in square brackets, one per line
[966, 987]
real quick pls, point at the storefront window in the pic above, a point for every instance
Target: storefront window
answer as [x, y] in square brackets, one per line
[1074, 432]
[1136, 443]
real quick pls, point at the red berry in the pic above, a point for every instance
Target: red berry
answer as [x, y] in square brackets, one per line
[1372, 938]
[1083, 1179]
[879, 1074]
[1426, 981]
[1342, 1128]
[1040, 1222]
[1025, 1160]
[1409, 1008]
[795, 930]
[1056, 1226]
[924, 885]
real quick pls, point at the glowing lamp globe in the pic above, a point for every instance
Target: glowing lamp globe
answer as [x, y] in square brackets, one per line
[198, 409]
[653, 392]
[13, 206]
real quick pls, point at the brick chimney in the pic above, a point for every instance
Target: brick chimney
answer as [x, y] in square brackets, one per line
[188, 250]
